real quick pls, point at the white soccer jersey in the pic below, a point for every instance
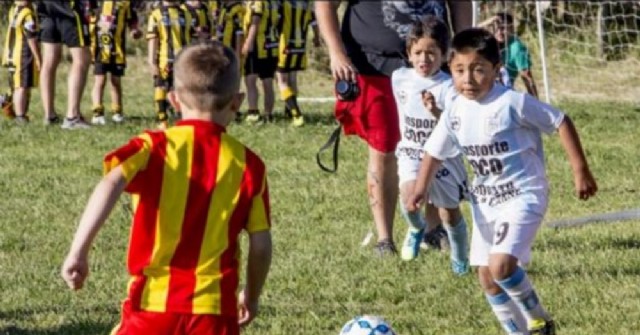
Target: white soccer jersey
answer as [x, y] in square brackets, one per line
[416, 122]
[501, 139]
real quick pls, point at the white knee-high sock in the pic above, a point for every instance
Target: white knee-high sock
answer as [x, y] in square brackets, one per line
[508, 313]
[519, 288]
[458, 240]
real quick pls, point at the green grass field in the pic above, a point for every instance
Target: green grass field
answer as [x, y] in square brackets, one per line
[321, 277]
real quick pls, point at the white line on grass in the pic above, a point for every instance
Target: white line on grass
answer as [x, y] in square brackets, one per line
[632, 214]
[317, 99]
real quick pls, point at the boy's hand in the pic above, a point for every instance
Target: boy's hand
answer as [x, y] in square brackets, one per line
[74, 271]
[246, 49]
[247, 309]
[429, 102]
[155, 70]
[585, 184]
[414, 201]
[136, 34]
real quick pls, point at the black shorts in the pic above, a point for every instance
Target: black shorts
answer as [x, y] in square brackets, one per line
[265, 68]
[164, 81]
[59, 24]
[24, 76]
[102, 69]
[292, 61]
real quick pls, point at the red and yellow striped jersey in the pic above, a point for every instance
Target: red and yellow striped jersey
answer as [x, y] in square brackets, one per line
[194, 189]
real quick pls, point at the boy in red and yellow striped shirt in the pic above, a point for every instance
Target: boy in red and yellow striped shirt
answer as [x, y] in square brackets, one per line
[194, 188]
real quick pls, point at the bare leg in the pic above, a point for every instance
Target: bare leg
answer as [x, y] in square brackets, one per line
[77, 79]
[98, 88]
[269, 98]
[20, 100]
[51, 54]
[252, 91]
[382, 180]
[116, 92]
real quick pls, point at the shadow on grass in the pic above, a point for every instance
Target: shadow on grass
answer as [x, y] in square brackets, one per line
[73, 327]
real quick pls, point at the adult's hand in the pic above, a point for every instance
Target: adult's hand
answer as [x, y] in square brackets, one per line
[342, 68]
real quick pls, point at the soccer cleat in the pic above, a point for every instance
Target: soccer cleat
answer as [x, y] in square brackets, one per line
[542, 327]
[411, 244]
[74, 123]
[55, 119]
[117, 117]
[436, 239]
[162, 125]
[253, 118]
[98, 120]
[238, 117]
[269, 118]
[21, 119]
[298, 121]
[385, 247]
[460, 268]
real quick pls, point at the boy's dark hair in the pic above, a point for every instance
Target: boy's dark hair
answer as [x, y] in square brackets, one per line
[207, 75]
[432, 27]
[478, 40]
[505, 17]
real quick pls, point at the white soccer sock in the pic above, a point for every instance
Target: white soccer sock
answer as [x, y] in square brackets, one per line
[507, 313]
[519, 288]
[458, 240]
[415, 220]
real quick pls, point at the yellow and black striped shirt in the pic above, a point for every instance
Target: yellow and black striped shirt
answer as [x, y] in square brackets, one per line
[174, 28]
[297, 16]
[23, 25]
[108, 31]
[214, 9]
[268, 37]
[229, 24]
[201, 14]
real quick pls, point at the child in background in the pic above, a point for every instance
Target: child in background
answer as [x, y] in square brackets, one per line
[170, 28]
[204, 28]
[229, 29]
[513, 53]
[260, 54]
[297, 17]
[21, 57]
[422, 92]
[499, 132]
[183, 253]
[108, 48]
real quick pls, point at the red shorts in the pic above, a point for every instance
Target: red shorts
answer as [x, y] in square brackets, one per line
[373, 115]
[142, 322]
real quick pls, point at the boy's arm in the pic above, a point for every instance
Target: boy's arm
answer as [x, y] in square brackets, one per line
[35, 50]
[585, 184]
[76, 268]
[152, 47]
[428, 168]
[527, 77]
[251, 36]
[258, 264]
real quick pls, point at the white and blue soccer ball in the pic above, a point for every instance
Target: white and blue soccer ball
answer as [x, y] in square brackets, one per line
[367, 325]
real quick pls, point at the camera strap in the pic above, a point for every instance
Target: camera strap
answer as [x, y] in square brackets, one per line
[334, 140]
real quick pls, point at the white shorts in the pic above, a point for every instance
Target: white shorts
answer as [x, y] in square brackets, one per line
[448, 188]
[511, 233]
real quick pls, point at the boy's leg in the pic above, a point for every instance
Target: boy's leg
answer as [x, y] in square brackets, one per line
[504, 308]
[51, 55]
[269, 98]
[116, 97]
[20, 100]
[251, 82]
[289, 96]
[456, 227]
[415, 221]
[512, 242]
[161, 103]
[96, 97]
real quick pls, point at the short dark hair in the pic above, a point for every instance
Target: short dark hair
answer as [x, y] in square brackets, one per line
[478, 40]
[432, 27]
[505, 17]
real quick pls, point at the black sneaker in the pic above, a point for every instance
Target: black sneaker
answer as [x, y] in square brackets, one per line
[436, 239]
[385, 247]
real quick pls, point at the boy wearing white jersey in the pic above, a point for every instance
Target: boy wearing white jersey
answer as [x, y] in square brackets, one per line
[421, 92]
[499, 132]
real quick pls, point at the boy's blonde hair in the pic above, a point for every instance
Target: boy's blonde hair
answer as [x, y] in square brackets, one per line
[207, 76]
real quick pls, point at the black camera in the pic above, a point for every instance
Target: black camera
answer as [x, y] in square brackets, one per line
[347, 90]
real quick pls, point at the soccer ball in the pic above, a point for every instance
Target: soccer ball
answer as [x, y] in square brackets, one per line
[367, 325]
